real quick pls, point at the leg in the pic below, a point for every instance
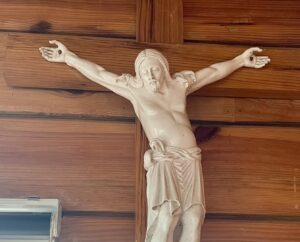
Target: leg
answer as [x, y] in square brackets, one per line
[165, 225]
[192, 219]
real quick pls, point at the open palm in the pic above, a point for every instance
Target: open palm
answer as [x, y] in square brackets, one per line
[54, 54]
[250, 60]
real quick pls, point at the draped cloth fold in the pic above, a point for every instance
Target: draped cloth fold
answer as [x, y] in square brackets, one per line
[174, 175]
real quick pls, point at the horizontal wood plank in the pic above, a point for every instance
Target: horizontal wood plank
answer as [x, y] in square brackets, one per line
[267, 110]
[106, 18]
[248, 34]
[24, 67]
[3, 43]
[63, 103]
[252, 170]
[255, 22]
[89, 165]
[250, 231]
[95, 229]
[243, 110]
[107, 105]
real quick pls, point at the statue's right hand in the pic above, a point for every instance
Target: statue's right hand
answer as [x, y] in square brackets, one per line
[56, 54]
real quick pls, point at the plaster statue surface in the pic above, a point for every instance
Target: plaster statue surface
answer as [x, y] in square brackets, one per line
[173, 162]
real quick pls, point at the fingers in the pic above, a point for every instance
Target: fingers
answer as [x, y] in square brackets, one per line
[47, 53]
[54, 54]
[251, 50]
[261, 61]
[46, 50]
[257, 66]
[55, 42]
[47, 57]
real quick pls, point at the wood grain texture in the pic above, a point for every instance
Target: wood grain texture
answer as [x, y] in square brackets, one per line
[248, 22]
[144, 18]
[279, 80]
[267, 110]
[107, 105]
[101, 105]
[248, 110]
[63, 103]
[3, 44]
[95, 229]
[250, 231]
[89, 165]
[247, 170]
[141, 197]
[252, 170]
[160, 21]
[114, 18]
[167, 23]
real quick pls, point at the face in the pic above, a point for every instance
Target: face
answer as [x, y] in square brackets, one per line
[151, 72]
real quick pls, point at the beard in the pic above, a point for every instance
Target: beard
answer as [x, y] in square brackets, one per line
[154, 85]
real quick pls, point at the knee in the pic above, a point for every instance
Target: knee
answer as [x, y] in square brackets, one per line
[166, 218]
[196, 216]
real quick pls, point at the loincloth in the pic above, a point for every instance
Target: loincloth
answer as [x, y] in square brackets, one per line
[174, 175]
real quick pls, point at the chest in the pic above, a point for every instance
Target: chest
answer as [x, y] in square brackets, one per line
[173, 101]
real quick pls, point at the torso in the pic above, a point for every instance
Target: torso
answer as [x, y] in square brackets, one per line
[164, 117]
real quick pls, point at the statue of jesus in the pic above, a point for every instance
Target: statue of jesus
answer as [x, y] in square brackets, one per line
[173, 162]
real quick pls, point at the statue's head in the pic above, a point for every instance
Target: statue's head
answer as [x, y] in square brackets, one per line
[152, 68]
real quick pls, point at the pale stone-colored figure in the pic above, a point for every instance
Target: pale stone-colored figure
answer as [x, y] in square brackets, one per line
[174, 175]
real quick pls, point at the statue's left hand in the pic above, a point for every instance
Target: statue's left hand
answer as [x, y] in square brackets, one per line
[250, 60]
[56, 54]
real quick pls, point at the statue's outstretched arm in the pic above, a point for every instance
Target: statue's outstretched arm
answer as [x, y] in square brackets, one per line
[218, 71]
[91, 70]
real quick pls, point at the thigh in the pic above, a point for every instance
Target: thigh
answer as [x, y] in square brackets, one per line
[194, 216]
[166, 223]
[192, 220]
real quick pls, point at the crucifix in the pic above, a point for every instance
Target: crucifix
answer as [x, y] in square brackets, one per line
[173, 162]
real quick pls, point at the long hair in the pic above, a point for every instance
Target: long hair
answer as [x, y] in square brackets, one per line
[153, 54]
[137, 81]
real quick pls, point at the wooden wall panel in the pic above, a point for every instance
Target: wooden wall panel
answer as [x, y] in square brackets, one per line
[252, 170]
[279, 80]
[255, 22]
[249, 110]
[105, 105]
[89, 165]
[142, 146]
[248, 170]
[63, 103]
[3, 43]
[159, 21]
[267, 110]
[95, 229]
[109, 106]
[250, 231]
[106, 18]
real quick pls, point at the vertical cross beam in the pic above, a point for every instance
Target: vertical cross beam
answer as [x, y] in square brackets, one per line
[158, 21]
